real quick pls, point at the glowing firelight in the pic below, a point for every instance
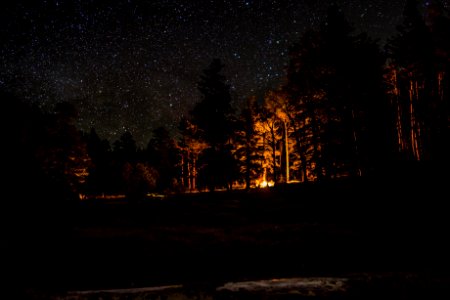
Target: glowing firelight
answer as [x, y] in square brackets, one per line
[265, 184]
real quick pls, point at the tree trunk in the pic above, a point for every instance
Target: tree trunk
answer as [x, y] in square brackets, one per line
[286, 150]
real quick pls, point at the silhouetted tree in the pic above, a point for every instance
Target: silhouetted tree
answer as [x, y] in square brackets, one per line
[411, 76]
[213, 118]
[125, 147]
[305, 91]
[139, 178]
[213, 113]
[335, 89]
[438, 21]
[124, 151]
[163, 155]
[100, 179]
[62, 151]
[418, 82]
[247, 151]
[40, 203]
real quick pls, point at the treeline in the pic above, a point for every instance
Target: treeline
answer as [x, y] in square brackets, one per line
[347, 109]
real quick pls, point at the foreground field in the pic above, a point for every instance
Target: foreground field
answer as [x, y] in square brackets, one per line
[208, 239]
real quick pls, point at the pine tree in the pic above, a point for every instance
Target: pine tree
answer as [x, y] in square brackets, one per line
[99, 180]
[246, 144]
[213, 118]
[418, 78]
[163, 155]
[213, 114]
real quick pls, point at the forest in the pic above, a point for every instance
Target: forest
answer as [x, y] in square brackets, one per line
[348, 108]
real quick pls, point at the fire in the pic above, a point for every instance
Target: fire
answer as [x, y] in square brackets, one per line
[264, 184]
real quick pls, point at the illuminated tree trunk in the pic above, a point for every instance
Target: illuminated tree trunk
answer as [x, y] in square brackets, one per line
[317, 157]
[274, 154]
[398, 114]
[286, 150]
[440, 88]
[301, 155]
[194, 173]
[189, 170]
[265, 175]
[182, 169]
[355, 142]
[248, 162]
[414, 126]
[263, 157]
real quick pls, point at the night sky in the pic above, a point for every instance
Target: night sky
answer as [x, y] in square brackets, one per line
[133, 65]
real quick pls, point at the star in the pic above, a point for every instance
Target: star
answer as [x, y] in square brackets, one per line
[137, 63]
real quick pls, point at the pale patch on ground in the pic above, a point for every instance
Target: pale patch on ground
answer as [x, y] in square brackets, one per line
[169, 292]
[313, 286]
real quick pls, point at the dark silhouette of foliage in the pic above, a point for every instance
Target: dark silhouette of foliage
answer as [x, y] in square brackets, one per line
[132, 175]
[305, 91]
[246, 143]
[336, 116]
[418, 78]
[40, 200]
[164, 156]
[335, 85]
[64, 152]
[213, 118]
[99, 150]
[139, 179]
[213, 114]
[125, 147]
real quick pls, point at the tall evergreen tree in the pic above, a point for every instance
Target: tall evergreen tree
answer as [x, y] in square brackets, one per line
[335, 85]
[418, 78]
[306, 94]
[163, 155]
[438, 21]
[190, 147]
[213, 114]
[246, 144]
[124, 154]
[213, 117]
[99, 180]
[125, 147]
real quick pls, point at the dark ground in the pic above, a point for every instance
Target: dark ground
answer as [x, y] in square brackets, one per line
[394, 227]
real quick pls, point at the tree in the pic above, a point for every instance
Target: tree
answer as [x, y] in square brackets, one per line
[62, 152]
[335, 90]
[190, 147]
[246, 144]
[41, 153]
[139, 179]
[270, 129]
[163, 155]
[418, 78]
[125, 147]
[213, 114]
[124, 151]
[305, 91]
[213, 118]
[99, 180]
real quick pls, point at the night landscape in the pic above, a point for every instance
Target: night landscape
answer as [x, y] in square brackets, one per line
[159, 149]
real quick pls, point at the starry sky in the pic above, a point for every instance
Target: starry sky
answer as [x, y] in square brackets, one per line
[134, 64]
